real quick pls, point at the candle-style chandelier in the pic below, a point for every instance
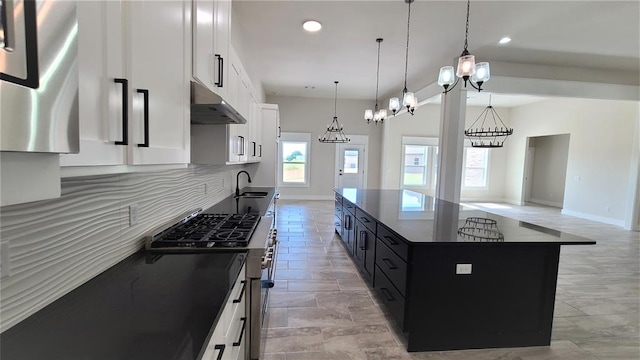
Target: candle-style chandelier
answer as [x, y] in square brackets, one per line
[334, 132]
[489, 134]
[468, 70]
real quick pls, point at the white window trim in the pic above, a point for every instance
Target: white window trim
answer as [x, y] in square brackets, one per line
[295, 137]
[429, 165]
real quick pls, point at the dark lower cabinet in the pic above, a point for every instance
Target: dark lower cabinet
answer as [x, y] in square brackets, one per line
[348, 231]
[390, 296]
[338, 218]
[365, 247]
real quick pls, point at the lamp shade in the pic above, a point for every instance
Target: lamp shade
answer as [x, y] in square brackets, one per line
[466, 66]
[368, 115]
[409, 100]
[446, 76]
[482, 73]
[394, 104]
[382, 114]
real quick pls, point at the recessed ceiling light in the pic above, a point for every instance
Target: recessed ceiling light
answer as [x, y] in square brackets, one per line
[312, 25]
[505, 40]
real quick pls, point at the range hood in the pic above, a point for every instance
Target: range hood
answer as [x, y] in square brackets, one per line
[209, 108]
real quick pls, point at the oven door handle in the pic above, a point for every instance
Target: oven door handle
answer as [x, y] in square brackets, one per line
[244, 286]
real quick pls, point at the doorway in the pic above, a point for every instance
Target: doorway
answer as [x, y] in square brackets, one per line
[351, 169]
[545, 170]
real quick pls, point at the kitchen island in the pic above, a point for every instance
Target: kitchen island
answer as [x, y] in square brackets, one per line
[453, 277]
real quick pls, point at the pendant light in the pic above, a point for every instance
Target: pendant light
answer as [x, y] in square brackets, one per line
[489, 134]
[409, 100]
[334, 132]
[377, 115]
[468, 70]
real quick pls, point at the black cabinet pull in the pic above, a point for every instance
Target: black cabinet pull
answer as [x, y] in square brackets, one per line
[244, 285]
[260, 149]
[220, 82]
[389, 264]
[125, 112]
[391, 240]
[364, 219]
[145, 96]
[244, 324]
[363, 244]
[387, 294]
[347, 222]
[241, 150]
[254, 148]
[30, 41]
[221, 348]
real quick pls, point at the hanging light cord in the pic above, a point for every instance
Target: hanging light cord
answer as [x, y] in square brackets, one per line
[335, 103]
[378, 73]
[466, 32]
[406, 56]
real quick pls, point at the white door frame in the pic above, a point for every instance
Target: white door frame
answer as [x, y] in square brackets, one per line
[355, 140]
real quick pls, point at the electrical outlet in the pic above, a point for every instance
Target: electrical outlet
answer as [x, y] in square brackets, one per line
[223, 183]
[576, 178]
[133, 214]
[463, 269]
[607, 209]
[205, 188]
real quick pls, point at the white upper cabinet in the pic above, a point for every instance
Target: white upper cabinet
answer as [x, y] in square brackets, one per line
[134, 63]
[211, 32]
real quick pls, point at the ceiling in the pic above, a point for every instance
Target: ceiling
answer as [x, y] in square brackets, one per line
[289, 61]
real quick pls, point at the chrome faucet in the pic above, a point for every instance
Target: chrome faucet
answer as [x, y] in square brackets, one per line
[238, 181]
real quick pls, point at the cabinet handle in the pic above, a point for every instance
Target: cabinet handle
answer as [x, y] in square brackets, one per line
[254, 148]
[390, 240]
[6, 20]
[145, 96]
[364, 219]
[363, 236]
[244, 324]
[279, 131]
[389, 264]
[125, 112]
[260, 148]
[241, 149]
[220, 82]
[387, 294]
[221, 348]
[244, 285]
[347, 222]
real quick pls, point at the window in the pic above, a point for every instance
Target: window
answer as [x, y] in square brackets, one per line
[475, 167]
[351, 161]
[294, 159]
[419, 162]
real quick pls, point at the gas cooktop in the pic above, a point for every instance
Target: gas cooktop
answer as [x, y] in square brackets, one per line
[201, 231]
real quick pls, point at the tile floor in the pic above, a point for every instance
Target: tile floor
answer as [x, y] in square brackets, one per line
[321, 308]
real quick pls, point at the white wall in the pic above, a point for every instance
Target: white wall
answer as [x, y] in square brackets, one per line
[600, 152]
[51, 247]
[549, 169]
[311, 115]
[426, 123]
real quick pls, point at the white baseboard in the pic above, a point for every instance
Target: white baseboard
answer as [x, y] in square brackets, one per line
[481, 200]
[546, 202]
[597, 218]
[306, 197]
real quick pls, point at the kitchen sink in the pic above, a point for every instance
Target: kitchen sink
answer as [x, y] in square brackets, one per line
[253, 194]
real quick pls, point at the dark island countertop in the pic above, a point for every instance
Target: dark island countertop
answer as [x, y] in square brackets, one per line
[147, 306]
[422, 219]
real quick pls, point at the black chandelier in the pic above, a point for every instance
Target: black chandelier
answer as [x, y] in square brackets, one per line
[334, 132]
[377, 115]
[468, 70]
[488, 135]
[409, 99]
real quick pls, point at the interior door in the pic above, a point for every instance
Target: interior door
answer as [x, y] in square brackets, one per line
[350, 171]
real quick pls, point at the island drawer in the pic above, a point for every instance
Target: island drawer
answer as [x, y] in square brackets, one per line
[393, 300]
[349, 206]
[338, 198]
[366, 220]
[392, 265]
[395, 243]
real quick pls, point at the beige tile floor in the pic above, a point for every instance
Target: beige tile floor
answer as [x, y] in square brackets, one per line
[321, 308]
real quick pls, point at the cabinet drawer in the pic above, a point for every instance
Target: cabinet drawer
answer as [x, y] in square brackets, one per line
[338, 198]
[392, 299]
[395, 243]
[348, 206]
[392, 265]
[366, 220]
